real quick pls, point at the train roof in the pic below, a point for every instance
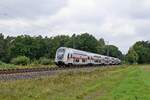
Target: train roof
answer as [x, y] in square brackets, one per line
[89, 53]
[85, 52]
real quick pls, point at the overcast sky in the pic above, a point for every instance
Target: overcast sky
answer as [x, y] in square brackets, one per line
[121, 22]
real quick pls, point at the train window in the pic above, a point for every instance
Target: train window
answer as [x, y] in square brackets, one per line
[68, 56]
[83, 60]
[71, 56]
[60, 53]
[96, 61]
[99, 61]
[77, 60]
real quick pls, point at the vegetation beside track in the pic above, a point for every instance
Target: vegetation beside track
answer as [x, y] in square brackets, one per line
[108, 83]
[12, 66]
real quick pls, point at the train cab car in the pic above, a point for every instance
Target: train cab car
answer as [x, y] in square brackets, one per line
[60, 57]
[69, 56]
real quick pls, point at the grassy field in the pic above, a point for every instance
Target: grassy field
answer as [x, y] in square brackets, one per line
[120, 83]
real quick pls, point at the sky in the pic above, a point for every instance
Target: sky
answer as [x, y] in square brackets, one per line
[119, 22]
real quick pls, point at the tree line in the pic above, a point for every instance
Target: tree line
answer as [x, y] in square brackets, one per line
[139, 53]
[35, 47]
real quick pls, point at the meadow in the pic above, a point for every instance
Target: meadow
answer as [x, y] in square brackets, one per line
[123, 82]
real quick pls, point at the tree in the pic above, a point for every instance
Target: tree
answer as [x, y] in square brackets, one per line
[86, 42]
[132, 56]
[58, 41]
[142, 48]
[48, 47]
[113, 51]
[101, 46]
[2, 47]
[8, 41]
[32, 47]
[72, 42]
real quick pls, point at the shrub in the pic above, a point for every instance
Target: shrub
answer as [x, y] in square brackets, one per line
[1, 63]
[45, 61]
[35, 62]
[5, 65]
[20, 60]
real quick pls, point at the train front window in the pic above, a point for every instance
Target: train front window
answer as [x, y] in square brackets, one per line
[60, 54]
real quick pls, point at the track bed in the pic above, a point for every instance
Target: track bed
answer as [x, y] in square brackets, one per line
[28, 73]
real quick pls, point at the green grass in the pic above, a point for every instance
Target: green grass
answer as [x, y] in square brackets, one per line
[32, 65]
[120, 83]
[11, 66]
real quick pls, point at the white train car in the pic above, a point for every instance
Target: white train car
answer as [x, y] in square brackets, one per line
[69, 56]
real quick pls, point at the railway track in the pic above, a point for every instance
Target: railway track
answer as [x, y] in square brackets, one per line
[28, 73]
[27, 70]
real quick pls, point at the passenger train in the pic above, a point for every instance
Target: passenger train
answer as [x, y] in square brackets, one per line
[70, 57]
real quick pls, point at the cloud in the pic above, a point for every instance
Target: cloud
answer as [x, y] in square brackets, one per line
[29, 9]
[120, 22]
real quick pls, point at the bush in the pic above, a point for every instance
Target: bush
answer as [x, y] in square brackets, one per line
[45, 61]
[6, 66]
[1, 63]
[20, 60]
[35, 62]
